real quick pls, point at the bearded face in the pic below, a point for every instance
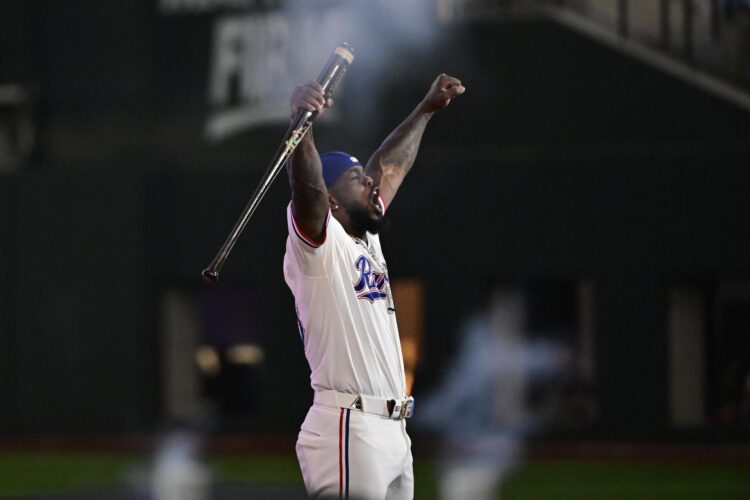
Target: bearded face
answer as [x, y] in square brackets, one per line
[357, 194]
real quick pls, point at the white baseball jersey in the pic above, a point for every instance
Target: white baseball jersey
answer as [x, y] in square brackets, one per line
[342, 295]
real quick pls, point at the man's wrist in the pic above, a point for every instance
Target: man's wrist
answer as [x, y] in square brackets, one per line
[425, 110]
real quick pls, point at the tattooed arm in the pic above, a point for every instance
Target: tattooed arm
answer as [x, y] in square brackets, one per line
[309, 193]
[394, 158]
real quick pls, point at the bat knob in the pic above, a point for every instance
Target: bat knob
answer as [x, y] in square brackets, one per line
[210, 275]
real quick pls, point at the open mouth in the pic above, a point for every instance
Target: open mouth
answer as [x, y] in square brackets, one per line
[375, 201]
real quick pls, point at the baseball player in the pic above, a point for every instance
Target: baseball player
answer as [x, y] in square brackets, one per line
[353, 442]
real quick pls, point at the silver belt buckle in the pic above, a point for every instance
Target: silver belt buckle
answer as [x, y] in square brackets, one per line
[403, 408]
[408, 409]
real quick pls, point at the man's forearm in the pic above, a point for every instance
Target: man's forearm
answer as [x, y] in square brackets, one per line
[306, 173]
[397, 153]
[395, 157]
[309, 193]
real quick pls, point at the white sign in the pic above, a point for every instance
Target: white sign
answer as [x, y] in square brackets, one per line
[256, 62]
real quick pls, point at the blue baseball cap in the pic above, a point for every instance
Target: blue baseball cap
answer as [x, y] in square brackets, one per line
[336, 163]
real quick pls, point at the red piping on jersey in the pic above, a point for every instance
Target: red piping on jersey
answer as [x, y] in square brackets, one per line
[306, 239]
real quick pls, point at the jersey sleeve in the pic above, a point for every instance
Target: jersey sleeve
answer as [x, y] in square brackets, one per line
[310, 257]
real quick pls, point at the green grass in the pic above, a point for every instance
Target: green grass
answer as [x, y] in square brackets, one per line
[267, 470]
[615, 480]
[25, 473]
[28, 473]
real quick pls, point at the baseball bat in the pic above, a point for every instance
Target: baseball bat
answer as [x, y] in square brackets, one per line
[329, 78]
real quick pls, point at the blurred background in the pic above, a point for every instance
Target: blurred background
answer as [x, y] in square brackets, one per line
[570, 253]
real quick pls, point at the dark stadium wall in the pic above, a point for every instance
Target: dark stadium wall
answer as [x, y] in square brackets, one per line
[80, 344]
[7, 337]
[563, 159]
